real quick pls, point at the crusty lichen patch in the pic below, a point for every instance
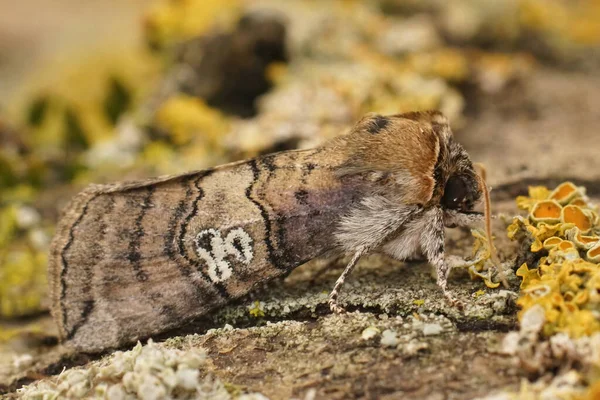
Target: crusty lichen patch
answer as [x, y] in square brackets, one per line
[356, 354]
[568, 386]
[559, 298]
[379, 284]
[480, 265]
[563, 227]
[146, 372]
[330, 357]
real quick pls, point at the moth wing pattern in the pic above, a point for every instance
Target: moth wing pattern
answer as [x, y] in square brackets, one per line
[134, 259]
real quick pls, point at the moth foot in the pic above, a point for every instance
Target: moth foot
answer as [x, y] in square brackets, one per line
[453, 301]
[336, 308]
[333, 304]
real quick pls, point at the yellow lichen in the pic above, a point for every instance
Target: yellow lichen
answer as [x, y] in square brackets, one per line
[449, 63]
[547, 211]
[594, 253]
[22, 282]
[8, 225]
[256, 309]
[582, 241]
[78, 104]
[536, 193]
[187, 118]
[566, 280]
[172, 21]
[569, 22]
[552, 242]
[576, 215]
[22, 261]
[564, 192]
[481, 266]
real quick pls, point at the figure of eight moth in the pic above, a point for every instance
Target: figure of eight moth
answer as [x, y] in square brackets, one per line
[134, 259]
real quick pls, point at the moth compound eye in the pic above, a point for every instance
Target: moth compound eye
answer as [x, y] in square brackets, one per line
[455, 193]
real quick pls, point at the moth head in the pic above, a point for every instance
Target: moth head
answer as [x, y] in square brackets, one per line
[460, 183]
[461, 193]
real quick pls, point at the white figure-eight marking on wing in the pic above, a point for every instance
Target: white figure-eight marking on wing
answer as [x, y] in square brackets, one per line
[214, 250]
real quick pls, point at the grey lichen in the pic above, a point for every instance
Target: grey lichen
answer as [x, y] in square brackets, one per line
[537, 354]
[566, 386]
[379, 285]
[149, 372]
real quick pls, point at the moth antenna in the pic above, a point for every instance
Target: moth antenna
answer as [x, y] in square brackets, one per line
[488, 223]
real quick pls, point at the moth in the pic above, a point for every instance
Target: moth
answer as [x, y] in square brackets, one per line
[134, 259]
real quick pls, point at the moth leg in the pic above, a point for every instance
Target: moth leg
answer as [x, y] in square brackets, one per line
[333, 296]
[432, 243]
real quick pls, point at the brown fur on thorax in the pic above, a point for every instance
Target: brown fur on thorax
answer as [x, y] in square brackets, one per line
[407, 146]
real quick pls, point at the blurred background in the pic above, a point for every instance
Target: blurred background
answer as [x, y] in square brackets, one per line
[105, 90]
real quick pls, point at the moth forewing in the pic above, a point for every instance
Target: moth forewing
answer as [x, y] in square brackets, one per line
[134, 259]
